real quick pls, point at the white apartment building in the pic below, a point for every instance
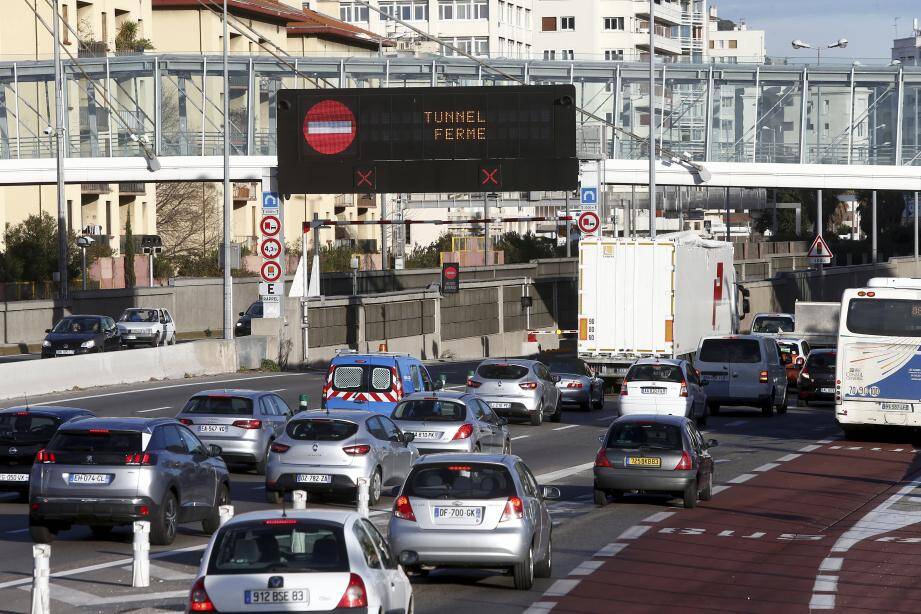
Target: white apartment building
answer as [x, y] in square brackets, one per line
[737, 46]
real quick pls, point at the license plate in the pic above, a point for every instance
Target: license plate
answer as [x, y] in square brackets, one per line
[714, 378]
[895, 406]
[427, 434]
[65, 352]
[131, 336]
[827, 390]
[458, 515]
[652, 390]
[89, 478]
[275, 596]
[500, 405]
[14, 477]
[644, 461]
[312, 478]
[212, 428]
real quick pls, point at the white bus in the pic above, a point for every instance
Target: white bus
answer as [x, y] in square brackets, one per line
[878, 371]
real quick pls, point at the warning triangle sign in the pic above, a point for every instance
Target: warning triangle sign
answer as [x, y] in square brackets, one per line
[819, 249]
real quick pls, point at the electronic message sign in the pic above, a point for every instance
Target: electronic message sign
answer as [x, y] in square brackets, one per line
[458, 139]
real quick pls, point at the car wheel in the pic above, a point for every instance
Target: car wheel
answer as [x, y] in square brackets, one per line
[163, 527]
[558, 414]
[101, 530]
[374, 488]
[767, 408]
[599, 404]
[411, 608]
[260, 466]
[601, 498]
[707, 493]
[173, 339]
[524, 572]
[274, 497]
[544, 569]
[537, 416]
[714, 409]
[507, 447]
[41, 533]
[782, 408]
[213, 520]
[690, 495]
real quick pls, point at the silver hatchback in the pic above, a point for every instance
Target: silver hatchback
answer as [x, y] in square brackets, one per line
[474, 510]
[326, 452]
[452, 422]
[517, 389]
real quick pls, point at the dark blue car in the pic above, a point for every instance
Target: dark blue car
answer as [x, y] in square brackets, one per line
[81, 335]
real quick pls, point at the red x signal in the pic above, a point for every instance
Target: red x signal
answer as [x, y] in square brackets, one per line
[364, 178]
[489, 176]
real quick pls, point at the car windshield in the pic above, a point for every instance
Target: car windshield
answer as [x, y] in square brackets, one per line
[279, 545]
[140, 315]
[568, 366]
[26, 426]
[655, 373]
[773, 324]
[789, 348]
[632, 435]
[321, 430]
[219, 404]
[501, 371]
[730, 350]
[459, 481]
[255, 310]
[821, 360]
[432, 410]
[78, 325]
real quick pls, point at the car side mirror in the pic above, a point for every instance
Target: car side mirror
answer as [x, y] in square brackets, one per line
[556, 378]
[408, 437]
[712, 443]
[214, 450]
[438, 384]
[47, 330]
[241, 313]
[502, 421]
[551, 493]
[601, 437]
[408, 558]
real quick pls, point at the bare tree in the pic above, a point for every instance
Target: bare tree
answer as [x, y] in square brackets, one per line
[188, 218]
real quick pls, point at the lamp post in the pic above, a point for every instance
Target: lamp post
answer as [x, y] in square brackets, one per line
[84, 242]
[773, 131]
[228, 205]
[841, 43]
[652, 120]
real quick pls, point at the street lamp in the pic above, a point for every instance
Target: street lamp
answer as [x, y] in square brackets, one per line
[841, 43]
[773, 132]
[84, 242]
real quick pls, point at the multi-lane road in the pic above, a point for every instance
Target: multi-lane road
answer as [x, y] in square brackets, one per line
[800, 521]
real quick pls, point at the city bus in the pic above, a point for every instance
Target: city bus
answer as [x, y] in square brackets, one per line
[878, 371]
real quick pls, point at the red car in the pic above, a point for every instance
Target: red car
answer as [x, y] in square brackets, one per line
[793, 353]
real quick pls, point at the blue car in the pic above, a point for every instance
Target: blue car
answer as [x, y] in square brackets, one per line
[374, 382]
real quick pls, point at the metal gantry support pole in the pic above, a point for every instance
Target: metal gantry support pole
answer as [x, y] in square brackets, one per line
[726, 205]
[652, 119]
[567, 226]
[818, 219]
[384, 199]
[873, 230]
[61, 141]
[228, 202]
[915, 216]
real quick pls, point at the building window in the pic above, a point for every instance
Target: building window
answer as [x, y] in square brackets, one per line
[527, 18]
[501, 11]
[613, 23]
[65, 17]
[474, 45]
[417, 10]
[712, 44]
[549, 54]
[464, 9]
[519, 16]
[548, 24]
[733, 44]
[567, 54]
[105, 28]
[613, 55]
[351, 12]
[567, 23]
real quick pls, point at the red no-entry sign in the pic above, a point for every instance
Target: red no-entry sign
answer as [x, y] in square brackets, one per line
[330, 127]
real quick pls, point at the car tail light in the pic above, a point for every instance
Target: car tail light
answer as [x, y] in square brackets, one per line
[527, 385]
[763, 377]
[199, 601]
[99, 431]
[465, 431]
[185, 421]
[574, 385]
[805, 373]
[140, 458]
[22, 413]
[684, 389]
[359, 450]
[46, 457]
[623, 389]
[248, 424]
[402, 508]
[280, 521]
[355, 595]
[685, 463]
[279, 448]
[601, 459]
[514, 508]
[397, 385]
[472, 383]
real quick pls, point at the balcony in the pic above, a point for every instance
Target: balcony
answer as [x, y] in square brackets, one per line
[95, 188]
[362, 201]
[666, 12]
[135, 188]
[665, 44]
[245, 192]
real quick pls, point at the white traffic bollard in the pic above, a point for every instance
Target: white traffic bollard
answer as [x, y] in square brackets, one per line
[363, 498]
[41, 588]
[141, 568]
[225, 513]
[299, 499]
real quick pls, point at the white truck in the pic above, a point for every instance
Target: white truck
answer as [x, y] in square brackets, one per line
[640, 298]
[816, 322]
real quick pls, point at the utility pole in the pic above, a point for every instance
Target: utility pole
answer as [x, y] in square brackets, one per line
[726, 204]
[61, 141]
[652, 119]
[228, 202]
[915, 216]
[384, 198]
[818, 218]
[567, 225]
[873, 229]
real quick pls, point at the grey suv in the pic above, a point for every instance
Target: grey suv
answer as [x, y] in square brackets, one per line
[104, 472]
[743, 370]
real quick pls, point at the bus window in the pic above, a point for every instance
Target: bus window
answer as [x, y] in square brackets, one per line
[884, 317]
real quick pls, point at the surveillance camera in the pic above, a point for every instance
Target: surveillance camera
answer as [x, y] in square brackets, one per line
[48, 131]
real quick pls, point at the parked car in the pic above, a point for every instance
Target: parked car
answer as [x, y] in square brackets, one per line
[793, 354]
[244, 324]
[373, 382]
[105, 472]
[334, 561]
[664, 387]
[81, 335]
[244, 423]
[654, 454]
[518, 389]
[773, 323]
[474, 510]
[452, 422]
[327, 451]
[817, 379]
[743, 370]
[23, 432]
[579, 384]
[152, 326]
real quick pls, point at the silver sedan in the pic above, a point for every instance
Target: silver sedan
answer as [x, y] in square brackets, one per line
[326, 452]
[474, 510]
[578, 384]
[452, 422]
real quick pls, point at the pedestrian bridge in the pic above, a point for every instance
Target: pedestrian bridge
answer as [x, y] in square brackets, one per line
[750, 126]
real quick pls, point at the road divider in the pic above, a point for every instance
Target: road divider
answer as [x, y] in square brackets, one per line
[140, 568]
[41, 584]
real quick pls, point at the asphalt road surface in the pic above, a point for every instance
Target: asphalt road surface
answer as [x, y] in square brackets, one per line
[800, 521]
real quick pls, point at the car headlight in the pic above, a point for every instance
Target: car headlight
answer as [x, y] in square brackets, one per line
[804, 375]
[88, 343]
[46, 344]
[239, 323]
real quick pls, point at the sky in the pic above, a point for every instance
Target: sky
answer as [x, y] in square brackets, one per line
[868, 25]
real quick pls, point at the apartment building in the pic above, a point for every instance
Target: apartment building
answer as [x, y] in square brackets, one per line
[908, 50]
[740, 45]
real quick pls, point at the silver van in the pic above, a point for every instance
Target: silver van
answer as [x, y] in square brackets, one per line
[743, 370]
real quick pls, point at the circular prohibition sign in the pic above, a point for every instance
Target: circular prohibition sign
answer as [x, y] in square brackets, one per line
[271, 271]
[589, 222]
[270, 248]
[270, 225]
[329, 127]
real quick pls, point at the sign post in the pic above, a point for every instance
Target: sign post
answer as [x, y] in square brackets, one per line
[450, 278]
[819, 252]
[272, 250]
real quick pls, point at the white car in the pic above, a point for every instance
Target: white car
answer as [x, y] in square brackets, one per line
[296, 561]
[664, 387]
[148, 325]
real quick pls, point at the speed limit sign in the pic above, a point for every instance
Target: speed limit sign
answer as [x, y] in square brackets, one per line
[589, 222]
[270, 248]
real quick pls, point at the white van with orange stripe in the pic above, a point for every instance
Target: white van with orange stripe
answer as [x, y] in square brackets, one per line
[373, 382]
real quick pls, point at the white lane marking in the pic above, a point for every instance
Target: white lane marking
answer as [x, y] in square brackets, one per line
[719, 488]
[741, 478]
[17, 531]
[568, 426]
[147, 411]
[856, 448]
[73, 597]
[755, 535]
[825, 584]
[634, 532]
[899, 450]
[517, 437]
[885, 518]
[810, 448]
[278, 390]
[561, 588]
[835, 447]
[788, 457]
[824, 441]
[540, 606]
[831, 563]
[586, 568]
[723, 460]
[822, 602]
[765, 467]
[725, 533]
[168, 387]
[611, 550]
[737, 423]
[552, 476]
[658, 517]
[875, 449]
[165, 573]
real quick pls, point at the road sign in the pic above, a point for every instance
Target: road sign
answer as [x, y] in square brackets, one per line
[588, 196]
[270, 225]
[450, 278]
[271, 289]
[270, 248]
[271, 271]
[270, 203]
[819, 252]
[425, 139]
[589, 222]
